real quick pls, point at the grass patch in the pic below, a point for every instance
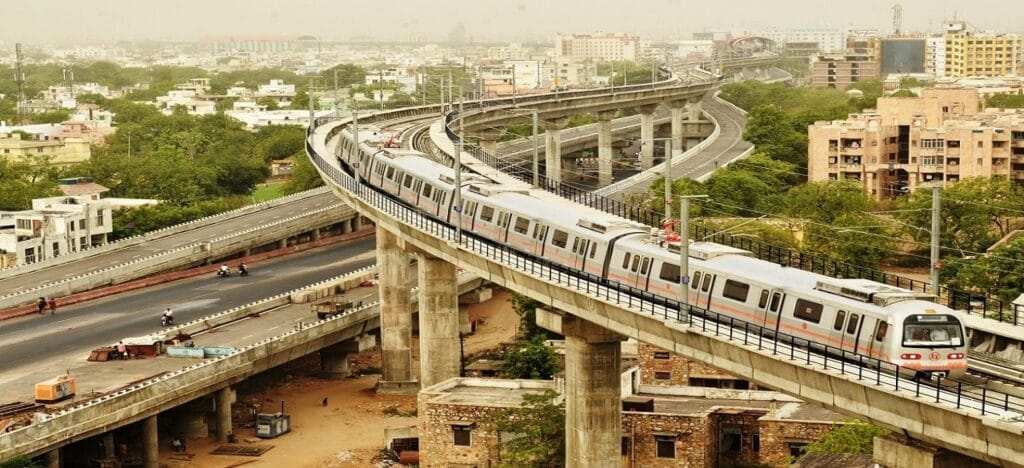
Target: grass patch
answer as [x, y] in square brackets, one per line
[268, 191]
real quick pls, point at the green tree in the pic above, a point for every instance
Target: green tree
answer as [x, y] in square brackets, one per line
[824, 202]
[135, 221]
[531, 359]
[534, 433]
[1006, 101]
[348, 75]
[301, 100]
[853, 437]
[21, 461]
[280, 142]
[21, 181]
[526, 308]
[267, 101]
[51, 117]
[304, 176]
[999, 273]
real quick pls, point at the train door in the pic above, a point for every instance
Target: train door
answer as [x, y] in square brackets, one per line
[877, 337]
[468, 214]
[851, 333]
[707, 286]
[771, 303]
[580, 246]
[540, 236]
[504, 219]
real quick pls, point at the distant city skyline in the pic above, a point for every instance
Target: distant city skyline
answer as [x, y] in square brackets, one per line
[486, 20]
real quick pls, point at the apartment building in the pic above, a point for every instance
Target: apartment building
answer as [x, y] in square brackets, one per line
[279, 91]
[54, 226]
[828, 40]
[59, 151]
[605, 47]
[839, 71]
[936, 139]
[970, 53]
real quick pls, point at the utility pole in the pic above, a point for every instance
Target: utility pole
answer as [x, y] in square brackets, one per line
[458, 172]
[684, 251]
[536, 152]
[451, 88]
[380, 87]
[936, 220]
[668, 179]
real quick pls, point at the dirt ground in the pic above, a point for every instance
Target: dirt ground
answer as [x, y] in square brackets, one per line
[349, 431]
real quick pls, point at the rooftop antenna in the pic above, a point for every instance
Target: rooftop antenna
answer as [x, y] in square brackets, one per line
[19, 78]
[897, 19]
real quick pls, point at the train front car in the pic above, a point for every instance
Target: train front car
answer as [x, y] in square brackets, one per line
[931, 339]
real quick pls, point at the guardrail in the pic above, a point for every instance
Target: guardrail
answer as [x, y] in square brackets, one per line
[170, 258]
[948, 393]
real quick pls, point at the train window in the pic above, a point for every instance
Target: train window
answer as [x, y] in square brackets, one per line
[504, 219]
[390, 174]
[763, 301]
[486, 213]
[882, 329]
[560, 239]
[540, 232]
[471, 209]
[427, 190]
[645, 266]
[575, 245]
[706, 285]
[407, 183]
[522, 225]
[669, 272]
[776, 302]
[851, 326]
[636, 264]
[807, 310]
[593, 250]
[735, 290]
[695, 281]
[840, 317]
[625, 261]
[418, 185]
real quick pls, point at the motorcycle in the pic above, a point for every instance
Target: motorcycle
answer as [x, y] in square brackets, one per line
[243, 270]
[223, 273]
[166, 320]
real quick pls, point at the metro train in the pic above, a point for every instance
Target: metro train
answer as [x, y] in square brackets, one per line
[892, 324]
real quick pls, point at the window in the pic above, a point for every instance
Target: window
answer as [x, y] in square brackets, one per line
[662, 375]
[522, 225]
[807, 310]
[487, 213]
[99, 217]
[81, 224]
[665, 446]
[560, 239]
[593, 250]
[626, 446]
[851, 326]
[645, 266]
[625, 261]
[732, 441]
[735, 290]
[390, 174]
[636, 264]
[427, 190]
[882, 329]
[540, 232]
[460, 435]
[840, 317]
[669, 272]
[932, 143]
[706, 286]
[796, 449]
[82, 243]
[776, 302]
[407, 182]
[662, 355]
[56, 249]
[695, 282]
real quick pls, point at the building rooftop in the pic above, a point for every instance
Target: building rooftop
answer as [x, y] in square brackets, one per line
[485, 392]
[82, 189]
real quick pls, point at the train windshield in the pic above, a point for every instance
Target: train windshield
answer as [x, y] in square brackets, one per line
[932, 331]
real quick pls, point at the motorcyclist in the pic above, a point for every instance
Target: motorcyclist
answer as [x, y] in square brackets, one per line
[167, 318]
[243, 270]
[223, 271]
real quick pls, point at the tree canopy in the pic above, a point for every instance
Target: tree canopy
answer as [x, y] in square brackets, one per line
[534, 433]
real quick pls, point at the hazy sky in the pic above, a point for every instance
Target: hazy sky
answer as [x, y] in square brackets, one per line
[60, 20]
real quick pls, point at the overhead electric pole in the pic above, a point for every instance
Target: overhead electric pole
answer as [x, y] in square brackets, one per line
[935, 234]
[684, 251]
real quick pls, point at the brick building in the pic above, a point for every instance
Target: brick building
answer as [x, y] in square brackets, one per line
[660, 367]
[661, 426]
[840, 71]
[941, 137]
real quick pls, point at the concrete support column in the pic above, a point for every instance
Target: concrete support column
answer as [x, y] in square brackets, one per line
[225, 397]
[345, 226]
[896, 451]
[357, 223]
[282, 243]
[108, 446]
[465, 326]
[334, 359]
[604, 149]
[440, 347]
[696, 110]
[678, 111]
[315, 234]
[647, 137]
[553, 148]
[395, 311]
[593, 427]
[150, 443]
[53, 458]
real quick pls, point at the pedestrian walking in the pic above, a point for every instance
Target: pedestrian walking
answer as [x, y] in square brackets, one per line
[41, 305]
[122, 350]
[52, 303]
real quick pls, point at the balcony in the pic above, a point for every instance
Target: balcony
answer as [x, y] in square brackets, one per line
[1018, 175]
[953, 169]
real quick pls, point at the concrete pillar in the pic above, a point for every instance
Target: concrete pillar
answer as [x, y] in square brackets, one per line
[465, 326]
[553, 148]
[150, 443]
[53, 458]
[334, 358]
[440, 347]
[896, 451]
[647, 137]
[696, 110]
[593, 428]
[282, 243]
[604, 149]
[357, 223]
[395, 310]
[193, 423]
[108, 446]
[225, 397]
[315, 234]
[678, 109]
[345, 226]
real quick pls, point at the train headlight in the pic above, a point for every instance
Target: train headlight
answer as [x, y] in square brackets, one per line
[955, 356]
[911, 356]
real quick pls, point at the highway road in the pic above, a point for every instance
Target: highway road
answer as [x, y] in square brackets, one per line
[200, 232]
[34, 347]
